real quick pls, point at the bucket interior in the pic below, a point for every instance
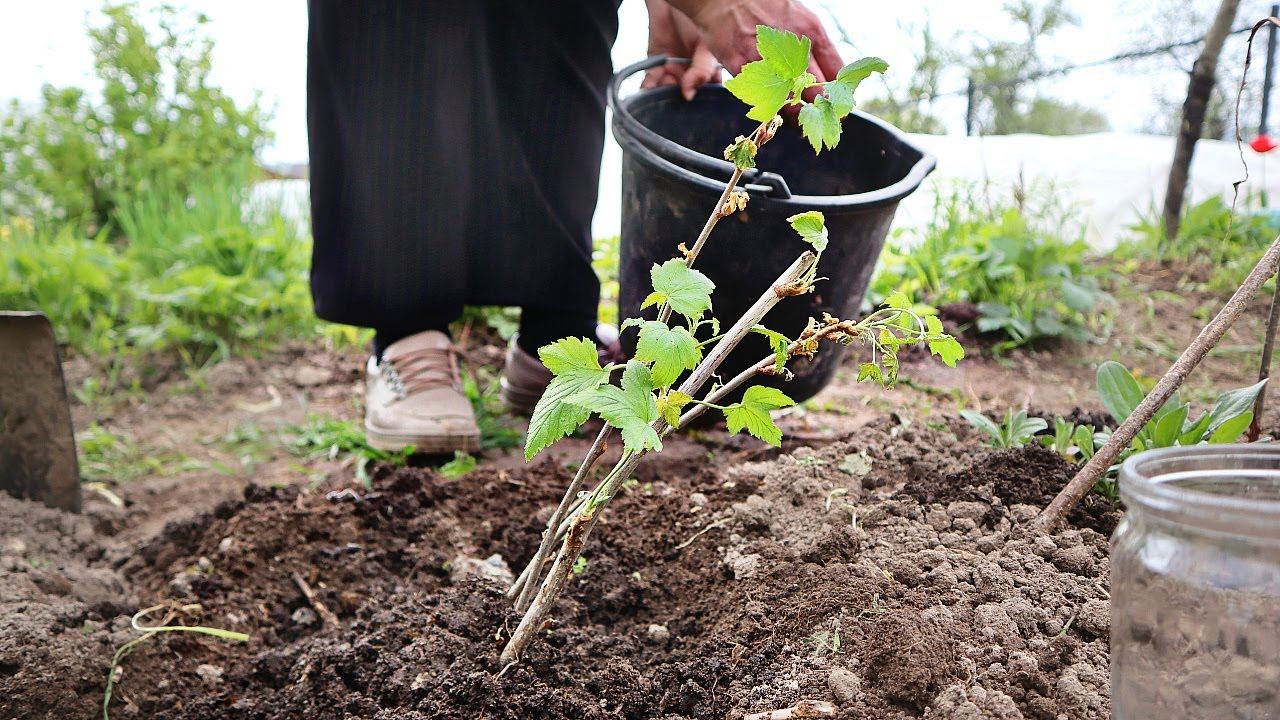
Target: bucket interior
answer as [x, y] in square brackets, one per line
[869, 157]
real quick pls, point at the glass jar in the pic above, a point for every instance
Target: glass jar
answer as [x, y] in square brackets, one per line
[1195, 585]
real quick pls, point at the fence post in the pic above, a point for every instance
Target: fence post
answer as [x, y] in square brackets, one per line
[969, 111]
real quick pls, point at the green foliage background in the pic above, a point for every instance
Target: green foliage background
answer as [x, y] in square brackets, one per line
[155, 123]
[125, 211]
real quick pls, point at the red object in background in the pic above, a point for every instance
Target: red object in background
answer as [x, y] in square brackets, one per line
[1263, 144]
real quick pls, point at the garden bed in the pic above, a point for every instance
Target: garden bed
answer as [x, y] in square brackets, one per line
[886, 575]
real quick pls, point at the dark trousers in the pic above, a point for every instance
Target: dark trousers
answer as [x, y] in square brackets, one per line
[455, 156]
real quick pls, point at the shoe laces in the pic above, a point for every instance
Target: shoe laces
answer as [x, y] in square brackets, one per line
[422, 369]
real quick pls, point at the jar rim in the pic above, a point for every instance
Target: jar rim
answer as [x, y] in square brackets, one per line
[1153, 480]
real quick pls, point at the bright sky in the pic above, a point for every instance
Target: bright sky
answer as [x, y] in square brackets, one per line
[260, 48]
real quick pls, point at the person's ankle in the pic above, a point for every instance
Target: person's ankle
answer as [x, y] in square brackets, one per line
[540, 328]
[382, 339]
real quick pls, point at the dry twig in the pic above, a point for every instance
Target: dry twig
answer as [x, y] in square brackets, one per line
[326, 615]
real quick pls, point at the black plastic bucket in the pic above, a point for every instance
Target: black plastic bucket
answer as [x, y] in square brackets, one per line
[672, 174]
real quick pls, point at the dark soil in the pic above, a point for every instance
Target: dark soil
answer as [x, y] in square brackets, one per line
[1029, 475]
[888, 574]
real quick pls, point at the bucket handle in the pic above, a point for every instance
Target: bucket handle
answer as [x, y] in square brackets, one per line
[753, 180]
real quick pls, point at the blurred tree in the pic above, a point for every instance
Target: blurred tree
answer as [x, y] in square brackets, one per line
[1006, 98]
[1199, 88]
[910, 107]
[158, 123]
[1005, 101]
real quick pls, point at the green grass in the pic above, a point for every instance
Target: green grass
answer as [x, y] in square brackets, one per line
[200, 278]
[1016, 258]
[115, 457]
[332, 438]
[1210, 236]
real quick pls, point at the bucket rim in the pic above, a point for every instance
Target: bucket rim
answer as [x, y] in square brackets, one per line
[857, 202]
[656, 151]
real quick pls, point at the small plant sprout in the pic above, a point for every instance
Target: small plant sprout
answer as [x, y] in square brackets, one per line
[649, 399]
[149, 631]
[1016, 430]
[1172, 425]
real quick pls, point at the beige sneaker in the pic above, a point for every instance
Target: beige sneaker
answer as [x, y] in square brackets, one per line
[525, 378]
[414, 397]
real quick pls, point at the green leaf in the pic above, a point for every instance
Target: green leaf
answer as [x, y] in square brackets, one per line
[1230, 429]
[786, 52]
[685, 289]
[1195, 432]
[854, 73]
[671, 350]
[760, 87]
[741, 153]
[752, 414]
[630, 408]
[1232, 404]
[671, 405]
[820, 123]
[460, 465]
[1083, 440]
[812, 228]
[575, 366]
[985, 424]
[1173, 403]
[1120, 393]
[768, 83]
[1078, 297]
[841, 97]
[898, 300]
[1019, 428]
[946, 347]
[870, 371]
[778, 342]
[1168, 428]
[820, 120]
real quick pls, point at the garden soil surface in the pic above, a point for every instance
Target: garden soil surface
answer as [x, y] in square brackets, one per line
[887, 574]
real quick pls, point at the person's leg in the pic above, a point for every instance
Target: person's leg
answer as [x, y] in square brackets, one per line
[539, 326]
[554, 105]
[391, 180]
[390, 188]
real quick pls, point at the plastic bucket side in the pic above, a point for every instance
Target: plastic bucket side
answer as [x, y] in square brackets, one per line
[665, 203]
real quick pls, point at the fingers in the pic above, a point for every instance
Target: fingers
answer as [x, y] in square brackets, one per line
[662, 76]
[703, 69]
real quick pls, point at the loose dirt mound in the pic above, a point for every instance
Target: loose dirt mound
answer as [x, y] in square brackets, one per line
[60, 609]
[821, 575]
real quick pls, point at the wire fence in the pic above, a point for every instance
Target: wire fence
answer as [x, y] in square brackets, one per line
[973, 90]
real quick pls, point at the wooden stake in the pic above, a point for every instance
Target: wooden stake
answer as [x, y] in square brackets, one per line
[1209, 336]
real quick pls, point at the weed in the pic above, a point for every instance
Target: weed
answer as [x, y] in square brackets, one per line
[333, 439]
[1006, 258]
[202, 276]
[496, 429]
[460, 465]
[1172, 425]
[827, 641]
[115, 457]
[1016, 430]
[1208, 236]
[150, 631]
